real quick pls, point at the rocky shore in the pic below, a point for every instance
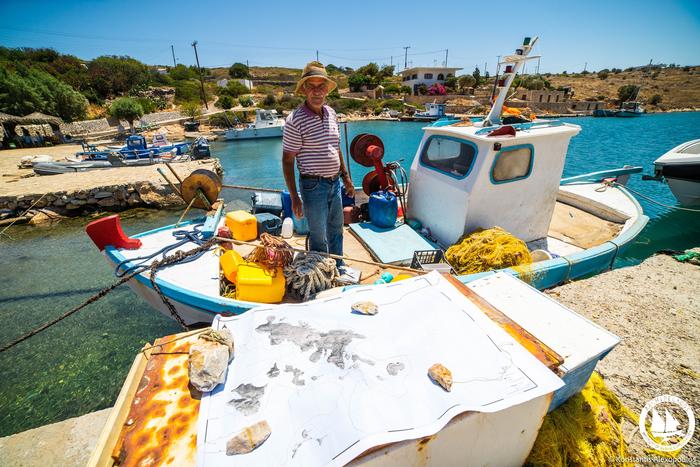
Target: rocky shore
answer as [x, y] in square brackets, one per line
[40, 199]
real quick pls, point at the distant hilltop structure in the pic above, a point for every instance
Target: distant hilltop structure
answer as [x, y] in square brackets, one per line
[417, 76]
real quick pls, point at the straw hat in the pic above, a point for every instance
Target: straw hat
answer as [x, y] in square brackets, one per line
[314, 70]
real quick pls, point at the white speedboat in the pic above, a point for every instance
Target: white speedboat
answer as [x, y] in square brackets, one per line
[268, 124]
[680, 167]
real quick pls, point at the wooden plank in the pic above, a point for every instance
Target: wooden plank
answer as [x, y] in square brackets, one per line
[541, 351]
[102, 455]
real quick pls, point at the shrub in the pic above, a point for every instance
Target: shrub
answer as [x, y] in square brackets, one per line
[346, 105]
[225, 102]
[289, 102]
[357, 80]
[148, 105]
[616, 70]
[422, 89]
[603, 74]
[392, 88]
[186, 91]
[451, 83]
[126, 108]
[437, 89]
[234, 89]
[112, 75]
[466, 81]
[405, 90]
[181, 72]
[246, 101]
[269, 100]
[655, 99]
[393, 104]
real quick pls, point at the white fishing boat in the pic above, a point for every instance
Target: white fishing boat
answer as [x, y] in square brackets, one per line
[680, 167]
[462, 178]
[267, 125]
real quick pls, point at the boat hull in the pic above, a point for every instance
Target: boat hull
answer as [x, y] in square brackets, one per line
[253, 133]
[503, 438]
[628, 113]
[686, 191]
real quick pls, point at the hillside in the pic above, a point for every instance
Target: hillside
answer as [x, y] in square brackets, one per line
[679, 88]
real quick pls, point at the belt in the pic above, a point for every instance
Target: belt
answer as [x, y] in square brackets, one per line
[318, 177]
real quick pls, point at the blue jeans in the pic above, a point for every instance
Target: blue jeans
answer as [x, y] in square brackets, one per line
[323, 208]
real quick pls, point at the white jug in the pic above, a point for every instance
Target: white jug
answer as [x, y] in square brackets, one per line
[287, 228]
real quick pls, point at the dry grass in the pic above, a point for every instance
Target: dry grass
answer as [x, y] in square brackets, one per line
[678, 89]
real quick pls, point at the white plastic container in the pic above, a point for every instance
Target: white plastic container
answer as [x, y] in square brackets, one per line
[287, 228]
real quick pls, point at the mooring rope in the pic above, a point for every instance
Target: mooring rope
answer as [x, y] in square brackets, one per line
[176, 257]
[651, 200]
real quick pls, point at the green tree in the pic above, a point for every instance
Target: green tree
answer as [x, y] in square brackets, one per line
[357, 80]
[627, 92]
[451, 83]
[191, 110]
[655, 99]
[126, 108]
[224, 102]
[112, 75]
[405, 90]
[371, 69]
[239, 70]
[392, 88]
[477, 76]
[603, 74]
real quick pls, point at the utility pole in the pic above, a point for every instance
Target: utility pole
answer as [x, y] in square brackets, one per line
[405, 57]
[485, 68]
[172, 49]
[391, 61]
[585, 64]
[201, 78]
[317, 55]
[446, 51]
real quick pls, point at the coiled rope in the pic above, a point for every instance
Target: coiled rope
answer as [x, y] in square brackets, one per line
[310, 273]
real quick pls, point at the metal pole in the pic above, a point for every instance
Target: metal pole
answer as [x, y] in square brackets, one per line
[172, 49]
[405, 57]
[201, 78]
[347, 152]
[446, 51]
[317, 55]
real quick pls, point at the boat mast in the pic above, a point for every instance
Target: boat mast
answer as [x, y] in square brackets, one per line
[513, 64]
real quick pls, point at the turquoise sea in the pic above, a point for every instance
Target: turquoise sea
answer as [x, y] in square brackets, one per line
[79, 365]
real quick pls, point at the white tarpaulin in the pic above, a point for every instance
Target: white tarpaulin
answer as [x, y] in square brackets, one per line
[331, 383]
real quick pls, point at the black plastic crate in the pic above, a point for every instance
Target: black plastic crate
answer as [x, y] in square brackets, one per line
[267, 202]
[431, 260]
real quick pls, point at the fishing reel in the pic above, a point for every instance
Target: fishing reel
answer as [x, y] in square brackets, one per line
[368, 150]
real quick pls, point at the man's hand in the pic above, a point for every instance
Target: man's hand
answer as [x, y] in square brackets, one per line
[296, 206]
[349, 188]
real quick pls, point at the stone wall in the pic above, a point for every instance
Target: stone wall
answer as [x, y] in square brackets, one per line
[158, 117]
[85, 127]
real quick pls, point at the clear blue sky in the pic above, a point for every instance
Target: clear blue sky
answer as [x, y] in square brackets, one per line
[604, 34]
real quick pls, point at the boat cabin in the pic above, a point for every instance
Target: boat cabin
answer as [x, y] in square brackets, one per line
[480, 179]
[264, 118]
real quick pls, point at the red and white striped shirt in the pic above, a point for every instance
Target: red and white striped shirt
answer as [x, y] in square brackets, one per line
[315, 140]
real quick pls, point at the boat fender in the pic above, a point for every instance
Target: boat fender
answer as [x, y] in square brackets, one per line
[108, 231]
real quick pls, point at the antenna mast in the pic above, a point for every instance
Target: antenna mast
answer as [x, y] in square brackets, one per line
[512, 63]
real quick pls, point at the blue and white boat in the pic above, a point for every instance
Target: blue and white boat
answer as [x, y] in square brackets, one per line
[136, 147]
[462, 178]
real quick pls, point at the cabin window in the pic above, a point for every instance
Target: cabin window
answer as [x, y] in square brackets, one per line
[513, 163]
[428, 76]
[450, 156]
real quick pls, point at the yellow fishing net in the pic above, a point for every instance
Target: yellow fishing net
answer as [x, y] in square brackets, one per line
[486, 249]
[585, 430]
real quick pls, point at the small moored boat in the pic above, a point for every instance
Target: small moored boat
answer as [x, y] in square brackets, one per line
[267, 125]
[680, 167]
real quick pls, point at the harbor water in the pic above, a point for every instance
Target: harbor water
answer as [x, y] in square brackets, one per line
[79, 365]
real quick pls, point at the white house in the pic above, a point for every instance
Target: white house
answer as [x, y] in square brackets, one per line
[245, 82]
[414, 77]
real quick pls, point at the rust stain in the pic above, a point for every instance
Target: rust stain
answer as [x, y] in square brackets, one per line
[162, 422]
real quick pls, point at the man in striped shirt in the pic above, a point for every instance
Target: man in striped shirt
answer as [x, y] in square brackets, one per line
[312, 138]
